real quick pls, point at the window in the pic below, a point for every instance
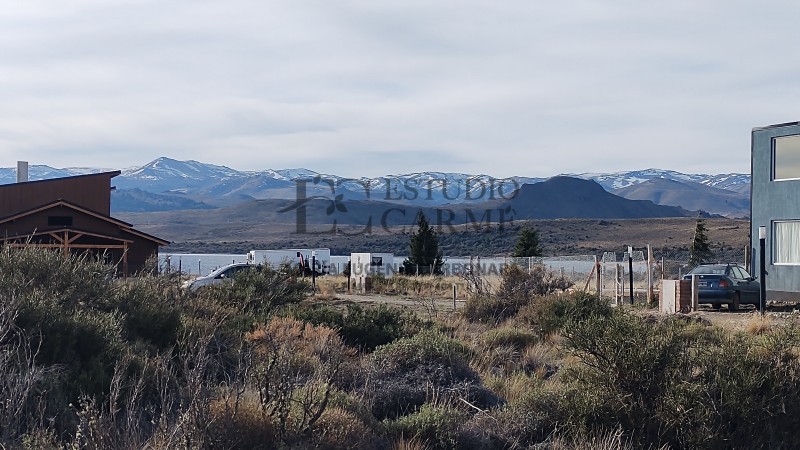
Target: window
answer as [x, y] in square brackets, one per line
[786, 158]
[786, 242]
[59, 221]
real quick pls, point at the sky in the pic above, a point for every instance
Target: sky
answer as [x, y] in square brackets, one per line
[369, 88]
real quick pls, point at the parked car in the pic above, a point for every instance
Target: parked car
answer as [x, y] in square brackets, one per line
[725, 283]
[218, 276]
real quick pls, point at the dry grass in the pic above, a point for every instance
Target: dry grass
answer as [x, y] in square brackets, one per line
[331, 285]
[758, 325]
[408, 444]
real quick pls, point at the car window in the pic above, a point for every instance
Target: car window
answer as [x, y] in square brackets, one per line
[709, 270]
[745, 274]
[736, 273]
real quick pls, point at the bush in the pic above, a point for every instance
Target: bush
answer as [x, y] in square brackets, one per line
[151, 313]
[259, 292]
[550, 313]
[340, 429]
[518, 288]
[434, 426]
[364, 328]
[425, 348]
[538, 281]
[411, 371]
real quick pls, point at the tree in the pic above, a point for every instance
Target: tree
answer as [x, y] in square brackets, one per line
[424, 245]
[700, 251]
[527, 243]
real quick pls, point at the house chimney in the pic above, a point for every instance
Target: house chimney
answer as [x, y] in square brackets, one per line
[22, 171]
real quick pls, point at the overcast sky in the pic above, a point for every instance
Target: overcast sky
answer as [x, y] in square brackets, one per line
[368, 88]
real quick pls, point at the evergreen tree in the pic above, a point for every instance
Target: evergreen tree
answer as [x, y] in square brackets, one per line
[527, 243]
[424, 245]
[700, 251]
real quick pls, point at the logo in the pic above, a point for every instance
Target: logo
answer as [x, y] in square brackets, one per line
[348, 206]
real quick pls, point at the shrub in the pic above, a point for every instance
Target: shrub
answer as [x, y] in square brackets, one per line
[434, 426]
[259, 292]
[242, 424]
[340, 429]
[363, 327]
[548, 314]
[427, 347]
[492, 309]
[538, 281]
[411, 371]
[150, 310]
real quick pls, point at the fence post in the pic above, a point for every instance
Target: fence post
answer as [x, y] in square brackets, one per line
[649, 275]
[597, 274]
[695, 292]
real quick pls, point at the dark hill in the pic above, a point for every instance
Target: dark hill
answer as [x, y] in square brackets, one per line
[574, 198]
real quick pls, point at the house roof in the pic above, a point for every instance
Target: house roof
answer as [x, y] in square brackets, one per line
[777, 125]
[110, 174]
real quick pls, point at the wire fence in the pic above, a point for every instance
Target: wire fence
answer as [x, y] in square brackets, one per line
[612, 274]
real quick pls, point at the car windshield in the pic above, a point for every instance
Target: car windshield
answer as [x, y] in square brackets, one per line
[708, 270]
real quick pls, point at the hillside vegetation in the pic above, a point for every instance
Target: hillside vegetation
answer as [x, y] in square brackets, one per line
[90, 361]
[557, 237]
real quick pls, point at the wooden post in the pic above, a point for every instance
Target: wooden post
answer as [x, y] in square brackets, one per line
[649, 275]
[597, 274]
[454, 296]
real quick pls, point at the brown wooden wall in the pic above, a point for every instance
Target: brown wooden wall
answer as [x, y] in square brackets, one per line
[92, 192]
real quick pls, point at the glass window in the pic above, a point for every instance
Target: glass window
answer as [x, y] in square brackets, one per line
[786, 242]
[786, 158]
[745, 274]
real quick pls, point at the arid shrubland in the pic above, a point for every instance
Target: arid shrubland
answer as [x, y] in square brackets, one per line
[93, 362]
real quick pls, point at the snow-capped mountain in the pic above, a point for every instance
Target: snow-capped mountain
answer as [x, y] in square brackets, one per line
[619, 180]
[41, 172]
[221, 185]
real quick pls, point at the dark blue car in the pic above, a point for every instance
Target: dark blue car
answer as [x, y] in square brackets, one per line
[725, 283]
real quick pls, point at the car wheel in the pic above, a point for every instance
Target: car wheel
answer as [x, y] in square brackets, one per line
[734, 304]
[716, 305]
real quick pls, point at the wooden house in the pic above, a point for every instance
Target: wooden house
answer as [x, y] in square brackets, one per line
[73, 214]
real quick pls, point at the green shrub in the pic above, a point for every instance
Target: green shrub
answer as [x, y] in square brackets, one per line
[151, 313]
[435, 426]
[411, 371]
[548, 314]
[492, 309]
[259, 292]
[363, 327]
[426, 347]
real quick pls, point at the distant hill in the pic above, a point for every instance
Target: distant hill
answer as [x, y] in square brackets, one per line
[690, 195]
[137, 200]
[575, 198]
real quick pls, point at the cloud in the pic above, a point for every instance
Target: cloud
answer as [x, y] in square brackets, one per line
[370, 88]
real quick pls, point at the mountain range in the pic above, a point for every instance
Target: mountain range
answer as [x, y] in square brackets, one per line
[169, 185]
